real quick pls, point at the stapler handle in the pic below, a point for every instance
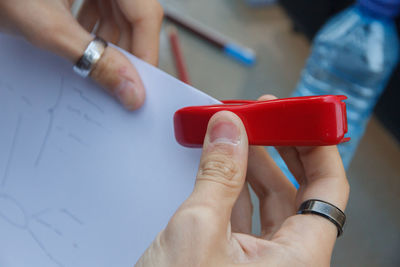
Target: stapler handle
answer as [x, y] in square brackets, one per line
[297, 121]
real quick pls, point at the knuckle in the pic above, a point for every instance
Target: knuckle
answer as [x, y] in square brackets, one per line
[219, 166]
[153, 11]
[198, 216]
[106, 70]
[197, 223]
[102, 69]
[158, 11]
[285, 151]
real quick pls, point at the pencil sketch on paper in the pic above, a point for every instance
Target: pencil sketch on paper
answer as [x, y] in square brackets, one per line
[6, 85]
[51, 111]
[88, 100]
[11, 153]
[16, 216]
[26, 100]
[89, 119]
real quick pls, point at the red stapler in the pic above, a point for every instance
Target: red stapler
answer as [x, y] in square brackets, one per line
[297, 121]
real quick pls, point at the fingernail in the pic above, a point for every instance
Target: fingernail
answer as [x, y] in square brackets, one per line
[224, 132]
[125, 93]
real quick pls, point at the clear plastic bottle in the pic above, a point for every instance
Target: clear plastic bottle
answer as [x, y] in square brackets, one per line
[354, 54]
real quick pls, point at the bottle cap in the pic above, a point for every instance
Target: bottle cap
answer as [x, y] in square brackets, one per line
[387, 8]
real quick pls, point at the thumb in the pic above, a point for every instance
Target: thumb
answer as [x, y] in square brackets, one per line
[222, 167]
[114, 72]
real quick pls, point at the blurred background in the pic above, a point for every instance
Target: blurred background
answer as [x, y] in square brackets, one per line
[281, 35]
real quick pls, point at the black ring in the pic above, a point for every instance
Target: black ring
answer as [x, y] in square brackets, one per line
[326, 210]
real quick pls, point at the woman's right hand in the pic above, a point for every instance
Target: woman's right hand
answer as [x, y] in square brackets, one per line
[213, 226]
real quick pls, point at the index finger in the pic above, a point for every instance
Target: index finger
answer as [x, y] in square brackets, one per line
[146, 18]
[324, 179]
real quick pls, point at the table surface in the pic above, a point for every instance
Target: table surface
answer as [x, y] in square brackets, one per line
[372, 234]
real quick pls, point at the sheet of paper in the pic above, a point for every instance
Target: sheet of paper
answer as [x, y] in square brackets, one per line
[82, 181]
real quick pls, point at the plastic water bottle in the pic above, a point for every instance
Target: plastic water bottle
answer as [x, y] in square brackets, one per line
[354, 54]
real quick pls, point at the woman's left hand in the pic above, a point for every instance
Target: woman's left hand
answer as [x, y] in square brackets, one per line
[131, 24]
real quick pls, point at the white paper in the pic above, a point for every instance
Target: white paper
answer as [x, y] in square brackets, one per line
[84, 182]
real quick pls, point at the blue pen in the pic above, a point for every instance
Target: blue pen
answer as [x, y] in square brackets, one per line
[237, 52]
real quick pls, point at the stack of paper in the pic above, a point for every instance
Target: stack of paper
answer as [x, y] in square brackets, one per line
[84, 182]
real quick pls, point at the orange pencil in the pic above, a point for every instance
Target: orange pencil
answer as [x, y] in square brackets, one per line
[180, 65]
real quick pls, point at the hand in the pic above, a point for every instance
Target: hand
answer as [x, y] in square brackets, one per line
[131, 24]
[212, 227]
